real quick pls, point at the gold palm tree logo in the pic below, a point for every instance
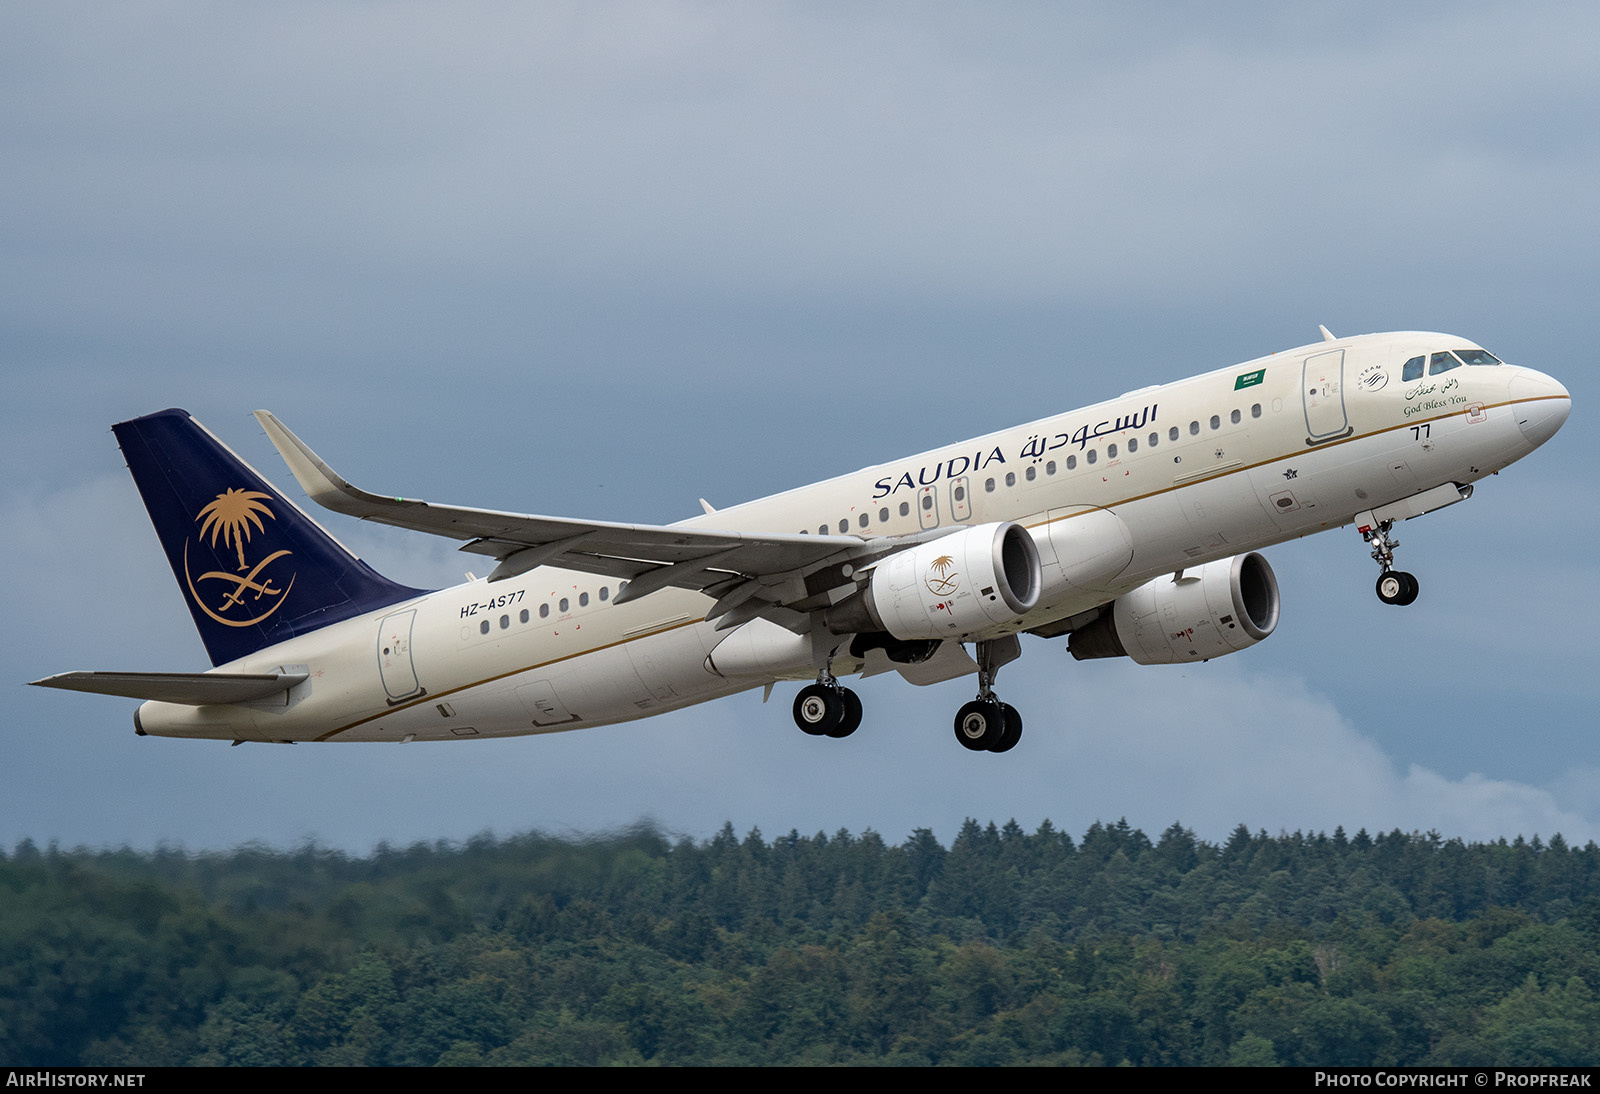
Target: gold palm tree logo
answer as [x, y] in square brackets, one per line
[940, 581]
[229, 518]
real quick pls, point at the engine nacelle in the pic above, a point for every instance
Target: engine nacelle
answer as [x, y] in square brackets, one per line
[1223, 607]
[958, 584]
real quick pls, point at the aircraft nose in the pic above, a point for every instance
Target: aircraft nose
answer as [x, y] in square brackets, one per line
[1540, 403]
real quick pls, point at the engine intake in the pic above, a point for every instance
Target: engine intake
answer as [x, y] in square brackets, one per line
[958, 584]
[1225, 606]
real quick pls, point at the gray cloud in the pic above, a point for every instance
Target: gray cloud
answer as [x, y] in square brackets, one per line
[601, 260]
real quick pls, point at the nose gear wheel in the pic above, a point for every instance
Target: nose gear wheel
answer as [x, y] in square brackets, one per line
[1394, 586]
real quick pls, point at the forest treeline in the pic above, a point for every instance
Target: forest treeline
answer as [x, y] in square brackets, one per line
[634, 948]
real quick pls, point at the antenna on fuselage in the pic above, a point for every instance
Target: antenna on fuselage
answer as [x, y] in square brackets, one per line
[1327, 335]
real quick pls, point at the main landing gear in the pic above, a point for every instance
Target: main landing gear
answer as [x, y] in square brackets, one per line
[827, 709]
[1394, 586]
[986, 724]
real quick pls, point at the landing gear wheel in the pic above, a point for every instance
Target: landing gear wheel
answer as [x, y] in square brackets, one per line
[981, 724]
[1412, 589]
[818, 710]
[1397, 587]
[851, 721]
[1013, 729]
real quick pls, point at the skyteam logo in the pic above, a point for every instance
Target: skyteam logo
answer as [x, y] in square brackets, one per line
[250, 594]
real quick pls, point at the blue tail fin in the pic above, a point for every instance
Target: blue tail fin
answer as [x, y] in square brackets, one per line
[253, 568]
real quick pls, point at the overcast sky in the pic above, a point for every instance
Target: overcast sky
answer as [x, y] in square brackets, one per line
[600, 260]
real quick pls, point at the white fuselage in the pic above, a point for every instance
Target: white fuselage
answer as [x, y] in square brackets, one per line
[1114, 495]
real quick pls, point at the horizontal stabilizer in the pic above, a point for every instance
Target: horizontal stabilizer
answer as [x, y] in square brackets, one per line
[195, 689]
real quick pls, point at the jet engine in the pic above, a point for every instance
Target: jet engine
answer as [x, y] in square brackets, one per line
[958, 584]
[1194, 615]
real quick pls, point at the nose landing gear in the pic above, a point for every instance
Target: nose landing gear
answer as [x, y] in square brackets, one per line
[1397, 587]
[1394, 586]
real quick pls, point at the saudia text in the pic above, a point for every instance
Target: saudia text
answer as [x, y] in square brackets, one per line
[1034, 449]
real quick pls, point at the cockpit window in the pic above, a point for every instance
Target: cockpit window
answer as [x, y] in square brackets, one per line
[1442, 362]
[1477, 357]
[1412, 370]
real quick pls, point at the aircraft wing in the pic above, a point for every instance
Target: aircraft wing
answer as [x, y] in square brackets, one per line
[779, 575]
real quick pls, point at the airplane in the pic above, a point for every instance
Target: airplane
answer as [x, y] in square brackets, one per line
[1131, 527]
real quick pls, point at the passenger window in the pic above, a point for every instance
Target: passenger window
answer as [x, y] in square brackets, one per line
[563, 605]
[1441, 362]
[905, 506]
[988, 486]
[927, 501]
[1133, 444]
[544, 611]
[1155, 439]
[1072, 462]
[583, 600]
[505, 621]
[863, 520]
[883, 515]
[1030, 474]
[1172, 434]
[1111, 451]
[605, 594]
[1412, 370]
[1194, 429]
[1255, 410]
[1216, 422]
[959, 493]
[1011, 478]
[523, 618]
[1234, 417]
[483, 628]
[1091, 456]
[822, 529]
[1050, 468]
[844, 526]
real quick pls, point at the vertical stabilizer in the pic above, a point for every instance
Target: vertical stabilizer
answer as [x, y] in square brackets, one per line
[252, 567]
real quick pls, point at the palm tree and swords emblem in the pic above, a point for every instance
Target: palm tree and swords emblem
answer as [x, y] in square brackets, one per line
[230, 518]
[940, 581]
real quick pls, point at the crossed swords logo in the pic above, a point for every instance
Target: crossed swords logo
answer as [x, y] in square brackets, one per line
[940, 581]
[230, 518]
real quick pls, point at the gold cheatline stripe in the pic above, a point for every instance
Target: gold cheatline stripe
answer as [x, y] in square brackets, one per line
[501, 676]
